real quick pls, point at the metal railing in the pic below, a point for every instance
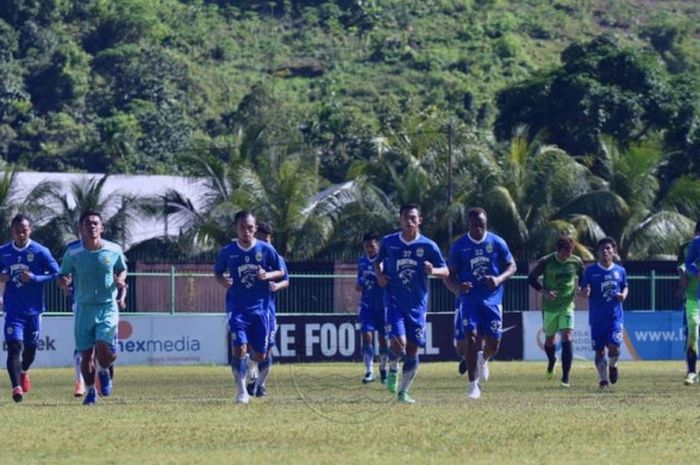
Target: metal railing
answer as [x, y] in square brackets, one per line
[177, 292]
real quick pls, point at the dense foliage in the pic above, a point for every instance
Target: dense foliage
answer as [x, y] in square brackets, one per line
[278, 98]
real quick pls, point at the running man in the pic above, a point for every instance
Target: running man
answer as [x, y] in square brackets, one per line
[257, 387]
[97, 269]
[251, 265]
[26, 265]
[405, 261]
[371, 309]
[688, 284]
[560, 271]
[479, 263]
[605, 284]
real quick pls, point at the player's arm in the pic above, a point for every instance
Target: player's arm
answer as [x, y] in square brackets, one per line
[585, 289]
[359, 281]
[382, 278]
[692, 257]
[435, 264]
[534, 282]
[220, 269]
[279, 285]
[452, 282]
[65, 274]
[52, 270]
[495, 281]
[624, 289]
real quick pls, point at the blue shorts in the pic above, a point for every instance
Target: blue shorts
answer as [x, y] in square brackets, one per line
[373, 319]
[608, 334]
[486, 320]
[460, 324]
[24, 328]
[251, 329]
[409, 324]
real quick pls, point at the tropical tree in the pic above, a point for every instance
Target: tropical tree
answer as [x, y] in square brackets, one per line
[14, 201]
[119, 211]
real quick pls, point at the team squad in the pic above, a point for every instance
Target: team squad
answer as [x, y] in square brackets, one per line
[392, 279]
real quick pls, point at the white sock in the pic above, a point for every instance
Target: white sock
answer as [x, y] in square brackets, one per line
[78, 373]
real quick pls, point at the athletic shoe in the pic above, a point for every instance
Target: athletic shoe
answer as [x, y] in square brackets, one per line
[603, 386]
[392, 381]
[462, 368]
[250, 388]
[17, 394]
[79, 390]
[90, 397]
[382, 376]
[612, 374]
[260, 391]
[474, 391]
[483, 366]
[404, 398]
[692, 378]
[243, 398]
[105, 382]
[369, 378]
[550, 370]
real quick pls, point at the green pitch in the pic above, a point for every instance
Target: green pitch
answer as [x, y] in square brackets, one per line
[322, 414]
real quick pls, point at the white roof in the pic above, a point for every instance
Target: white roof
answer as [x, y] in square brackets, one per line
[140, 185]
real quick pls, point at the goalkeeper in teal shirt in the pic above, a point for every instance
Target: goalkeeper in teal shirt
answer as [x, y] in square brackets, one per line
[97, 269]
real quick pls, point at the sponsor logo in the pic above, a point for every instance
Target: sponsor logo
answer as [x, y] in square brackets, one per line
[126, 343]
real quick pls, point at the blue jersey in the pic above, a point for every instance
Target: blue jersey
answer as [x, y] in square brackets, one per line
[404, 265]
[26, 298]
[604, 307]
[247, 294]
[473, 260]
[372, 295]
[692, 258]
[93, 271]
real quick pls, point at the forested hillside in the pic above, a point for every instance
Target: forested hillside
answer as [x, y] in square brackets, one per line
[320, 92]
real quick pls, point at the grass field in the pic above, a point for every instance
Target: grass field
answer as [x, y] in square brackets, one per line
[323, 414]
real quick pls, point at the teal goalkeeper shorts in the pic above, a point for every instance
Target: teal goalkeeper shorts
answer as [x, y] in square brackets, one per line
[95, 322]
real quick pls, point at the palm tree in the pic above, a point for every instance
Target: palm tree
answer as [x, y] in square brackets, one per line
[12, 202]
[119, 211]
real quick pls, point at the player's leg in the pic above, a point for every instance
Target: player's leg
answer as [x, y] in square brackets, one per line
[415, 339]
[460, 339]
[549, 325]
[367, 330]
[380, 325]
[490, 326]
[396, 331]
[473, 347]
[79, 389]
[691, 349]
[32, 330]
[239, 347]
[566, 328]
[258, 342]
[106, 322]
[84, 332]
[614, 342]
[14, 337]
[260, 390]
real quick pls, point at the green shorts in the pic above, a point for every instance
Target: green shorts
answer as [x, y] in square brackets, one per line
[691, 321]
[557, 321]
[95, 322]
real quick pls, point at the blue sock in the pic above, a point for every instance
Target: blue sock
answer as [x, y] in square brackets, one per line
[567, 357]
[692, 359]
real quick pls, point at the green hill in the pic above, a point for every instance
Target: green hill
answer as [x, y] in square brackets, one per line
[125, 86]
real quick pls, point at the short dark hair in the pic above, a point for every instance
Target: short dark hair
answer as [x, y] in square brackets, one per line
[476, 212]
[19, 219]
[370, 236]
[564, 242]
[87, 213]
[409, 206]
[607, 240]
[264, 228]
[241, 215]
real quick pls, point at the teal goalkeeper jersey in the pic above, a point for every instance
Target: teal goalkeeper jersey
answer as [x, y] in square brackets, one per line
[93, 271]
